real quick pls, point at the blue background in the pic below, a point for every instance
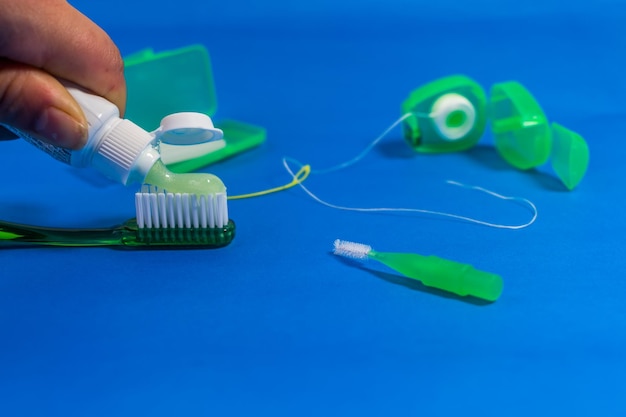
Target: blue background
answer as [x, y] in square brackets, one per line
[274, 324]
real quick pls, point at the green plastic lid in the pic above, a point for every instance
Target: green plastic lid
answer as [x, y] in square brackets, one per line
[448, 115]
[570, 155]
[520, 128]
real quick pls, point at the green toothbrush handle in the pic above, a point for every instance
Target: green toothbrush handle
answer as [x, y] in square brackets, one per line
[458, 278]
[13, 234]
[127, 234]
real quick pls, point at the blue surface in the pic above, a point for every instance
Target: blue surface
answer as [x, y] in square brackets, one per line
[276, 325]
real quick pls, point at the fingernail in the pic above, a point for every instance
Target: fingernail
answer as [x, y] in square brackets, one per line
[59, 128]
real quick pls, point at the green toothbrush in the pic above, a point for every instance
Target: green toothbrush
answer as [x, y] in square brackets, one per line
[127, 235]
[163, 220]
[432, 271]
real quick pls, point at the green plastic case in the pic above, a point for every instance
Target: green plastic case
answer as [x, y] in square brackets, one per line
[181, 80]
[525, 138]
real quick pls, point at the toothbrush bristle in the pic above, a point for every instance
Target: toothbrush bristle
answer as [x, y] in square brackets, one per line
[351, 249]
[158, 209]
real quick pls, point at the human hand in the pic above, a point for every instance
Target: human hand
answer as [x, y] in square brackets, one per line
[42, 42]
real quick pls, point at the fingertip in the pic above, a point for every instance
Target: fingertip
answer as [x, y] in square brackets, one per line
[38, 104]
[60, 128]
[62, 121]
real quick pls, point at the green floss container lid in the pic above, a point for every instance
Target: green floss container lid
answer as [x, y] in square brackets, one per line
[521, 130]
[181, 80]
[570, 156]
[447, 115]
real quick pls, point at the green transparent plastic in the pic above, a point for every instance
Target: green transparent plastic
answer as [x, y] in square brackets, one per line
[570, 155]
[420, 131]
[520, 127]
[455, 277]
[159, 84]
[181, 80]
[127, 235]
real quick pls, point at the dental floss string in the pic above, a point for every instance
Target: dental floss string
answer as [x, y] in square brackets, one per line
[363, 153]
[431, 212]
[298, 178]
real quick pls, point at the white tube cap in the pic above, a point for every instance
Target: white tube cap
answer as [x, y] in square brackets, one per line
[187, 128]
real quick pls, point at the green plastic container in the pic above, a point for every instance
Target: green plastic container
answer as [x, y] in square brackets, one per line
[181, 80]
[525, 138]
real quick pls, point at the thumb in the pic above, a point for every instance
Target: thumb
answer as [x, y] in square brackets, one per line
[33, 101]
